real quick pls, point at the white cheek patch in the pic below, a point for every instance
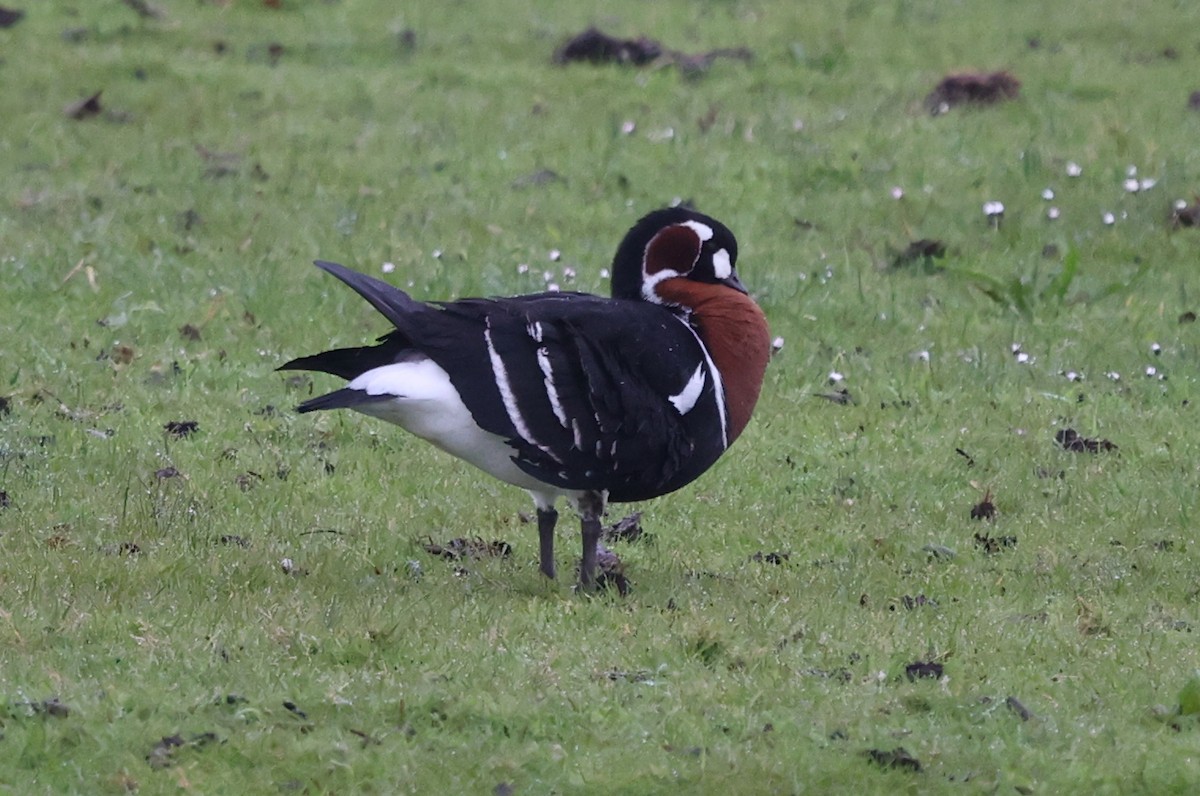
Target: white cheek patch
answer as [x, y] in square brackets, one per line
[722, 268]
[703, 231]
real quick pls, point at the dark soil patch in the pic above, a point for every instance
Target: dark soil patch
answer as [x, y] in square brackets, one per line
[894, 758]
[5, 406]
[908, 602]
[972, 88]
[189, 332]
[770, 558]
[1070, 440]
[166, 472]
[5, 500]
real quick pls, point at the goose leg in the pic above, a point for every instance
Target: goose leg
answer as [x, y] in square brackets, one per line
[591, 509]
[546, 519]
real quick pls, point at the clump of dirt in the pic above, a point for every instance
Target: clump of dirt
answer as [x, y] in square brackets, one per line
[984, 509]
[85, 108]
[925, 251]
[1070, 440]
[994, 544]
[972, 88]
[181, 429]
[923, 669]
[464, 547]
[596, 47]
[626, 529]
[1186, 216]
[894, 758]
[610, 571]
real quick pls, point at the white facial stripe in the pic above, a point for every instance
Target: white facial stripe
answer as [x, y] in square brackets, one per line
[685, 401]
[722, 268]
[704, 231]
[651, 281]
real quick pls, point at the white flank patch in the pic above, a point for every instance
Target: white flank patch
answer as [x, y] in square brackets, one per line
[535, 331]
[543, 360]
[722, 268]
[506, 394]
[685, 401]
[703, 230]
[424, 402]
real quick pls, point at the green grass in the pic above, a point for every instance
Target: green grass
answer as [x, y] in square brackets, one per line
[215, 176]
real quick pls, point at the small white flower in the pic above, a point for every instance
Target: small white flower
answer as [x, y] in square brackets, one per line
[523, 268]
[1047, 194]
[1023, 358]
[547, 276]
[1113, 375]
[1109, 219]
[1155, 349]
[835, 377]
[993, 208]
[627, 127]
[1052, 213]
[568, 272]
[897, 192]
[1073, 376]
[1147, 183]
[1151, 370]
[923, 356]
[287, 565]
[1180, 204]
[1131, 171]
[387, 268]
[553, 287]
[1074, 169]
[1132, 185]
[777, 344]
[1015, 347]
[554, 255]
[604, 273]
[797, 125]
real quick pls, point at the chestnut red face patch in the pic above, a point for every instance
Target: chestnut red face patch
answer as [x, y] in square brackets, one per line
[674, 245]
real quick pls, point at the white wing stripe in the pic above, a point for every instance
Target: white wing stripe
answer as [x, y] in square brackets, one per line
[506, 394]
[543, 360]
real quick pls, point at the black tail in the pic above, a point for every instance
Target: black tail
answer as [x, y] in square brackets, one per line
[347, 362]
[392, 302]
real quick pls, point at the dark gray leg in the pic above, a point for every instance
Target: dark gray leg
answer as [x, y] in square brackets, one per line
[546, 519]
[591, 509]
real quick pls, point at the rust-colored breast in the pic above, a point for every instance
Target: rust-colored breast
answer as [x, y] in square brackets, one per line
[735, 332]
